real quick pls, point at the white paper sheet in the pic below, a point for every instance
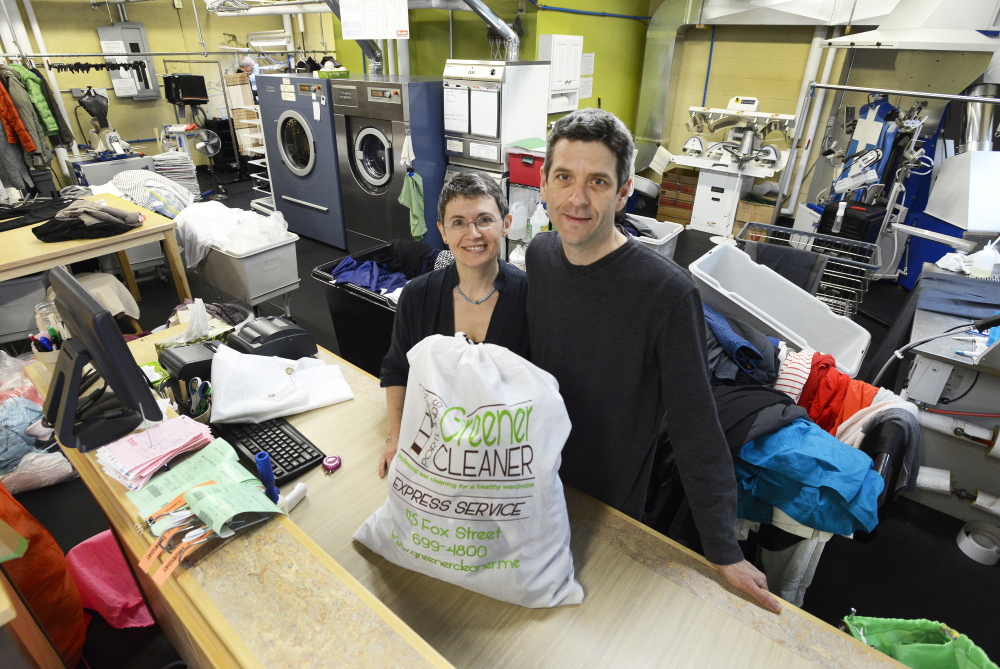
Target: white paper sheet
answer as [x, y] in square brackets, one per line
[485, 113]
[456, 110]
[375, 19]
[586, 87]
[587, 65]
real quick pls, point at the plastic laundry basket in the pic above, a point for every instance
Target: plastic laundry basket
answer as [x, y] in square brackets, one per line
[735, 286]
[666, 235]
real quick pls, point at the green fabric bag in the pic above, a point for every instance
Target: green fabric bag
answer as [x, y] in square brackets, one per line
[412, 198]
[919, 644]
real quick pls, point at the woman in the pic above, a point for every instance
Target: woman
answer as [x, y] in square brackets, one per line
[478, 294]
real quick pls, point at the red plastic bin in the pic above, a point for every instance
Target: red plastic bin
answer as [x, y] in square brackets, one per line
[526, 168]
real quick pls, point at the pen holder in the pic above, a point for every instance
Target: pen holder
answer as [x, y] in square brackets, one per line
[205, 416]
[48, 358]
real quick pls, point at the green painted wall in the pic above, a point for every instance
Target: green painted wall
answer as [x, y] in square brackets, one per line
[618, 46]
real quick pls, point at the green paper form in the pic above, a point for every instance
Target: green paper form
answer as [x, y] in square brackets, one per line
[216, 505]
[216, 462]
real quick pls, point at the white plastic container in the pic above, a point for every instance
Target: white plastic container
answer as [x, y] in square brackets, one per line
[737, 287]
[253, 275]
[666, 235]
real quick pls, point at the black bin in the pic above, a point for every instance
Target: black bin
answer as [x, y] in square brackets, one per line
[362, 319]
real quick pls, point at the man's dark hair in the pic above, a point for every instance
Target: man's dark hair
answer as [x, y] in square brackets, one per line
[471, 185]
[594, 125]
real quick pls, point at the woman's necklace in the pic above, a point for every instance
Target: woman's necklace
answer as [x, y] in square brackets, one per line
[472, 301]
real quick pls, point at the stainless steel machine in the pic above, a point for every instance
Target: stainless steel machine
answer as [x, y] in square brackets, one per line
[373, 116]
[297, 123]
[491, 104]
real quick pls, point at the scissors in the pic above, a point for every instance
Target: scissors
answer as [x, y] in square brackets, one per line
[201, 393]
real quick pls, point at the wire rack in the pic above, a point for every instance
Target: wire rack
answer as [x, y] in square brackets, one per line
[849, 268]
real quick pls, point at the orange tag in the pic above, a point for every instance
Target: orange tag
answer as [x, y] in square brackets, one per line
[168, 567]
[174, 504]
[154, 551]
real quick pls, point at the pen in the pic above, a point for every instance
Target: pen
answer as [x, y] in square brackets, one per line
[54, 336]
[44, 343]
[266, 475]
[967, 354]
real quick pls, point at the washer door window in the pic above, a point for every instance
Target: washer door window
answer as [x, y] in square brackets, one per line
[296, 144]
[373, 157]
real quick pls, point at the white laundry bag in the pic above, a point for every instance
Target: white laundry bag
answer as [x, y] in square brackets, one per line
[474, 492]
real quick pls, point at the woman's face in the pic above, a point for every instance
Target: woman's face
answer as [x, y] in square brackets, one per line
[473, 244]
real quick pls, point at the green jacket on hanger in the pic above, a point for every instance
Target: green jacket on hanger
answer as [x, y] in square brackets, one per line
[33, 84]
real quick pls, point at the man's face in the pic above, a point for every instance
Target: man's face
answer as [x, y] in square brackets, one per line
[580, 192]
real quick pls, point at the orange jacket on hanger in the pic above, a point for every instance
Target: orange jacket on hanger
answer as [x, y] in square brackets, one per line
[16, 131]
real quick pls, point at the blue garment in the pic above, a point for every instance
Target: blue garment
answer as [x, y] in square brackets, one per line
[368, 274]
[18, 414]
[817, 480]
[736, 347]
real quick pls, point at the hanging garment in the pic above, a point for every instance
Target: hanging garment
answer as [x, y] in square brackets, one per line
[808, 474]
[793, 373]
[13, 125]
[412, 197]
[803, 268]
[42, 155]
[33, 85]
[830, 396]
[748, 412]
[12, 164]
[64, 137]
[790, 570]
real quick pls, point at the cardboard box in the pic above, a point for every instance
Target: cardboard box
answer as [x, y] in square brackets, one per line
[673, 214]
[753, 212]
[685, 197]
[676, 203]
[681, 175]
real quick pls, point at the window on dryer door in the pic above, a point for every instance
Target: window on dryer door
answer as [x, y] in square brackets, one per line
[296, 142]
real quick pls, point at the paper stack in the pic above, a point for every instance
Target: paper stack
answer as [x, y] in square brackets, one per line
[178, 166]
[134, 459]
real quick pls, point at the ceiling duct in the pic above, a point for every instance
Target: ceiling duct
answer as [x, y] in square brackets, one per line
[498, 24]
[368, 47]
[930, 25]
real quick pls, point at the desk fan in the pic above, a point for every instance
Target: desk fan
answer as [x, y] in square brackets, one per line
[208, 143]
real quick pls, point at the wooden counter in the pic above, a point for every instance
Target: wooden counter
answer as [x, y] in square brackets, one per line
[649, 601]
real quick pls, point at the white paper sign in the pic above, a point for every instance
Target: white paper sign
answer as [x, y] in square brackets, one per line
[124, 87]
[456, 110]
[484, 151]
[587, 66]
[375, 19]
[454, 145]
[485, 113]
[586, 87]
[113, 46]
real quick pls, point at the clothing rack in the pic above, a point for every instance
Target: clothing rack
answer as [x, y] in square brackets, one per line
[138, 54]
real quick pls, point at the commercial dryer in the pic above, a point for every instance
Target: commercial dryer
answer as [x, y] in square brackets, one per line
[373, 116]
[297, 124]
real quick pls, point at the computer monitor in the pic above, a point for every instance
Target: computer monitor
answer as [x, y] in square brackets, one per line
[94, 338]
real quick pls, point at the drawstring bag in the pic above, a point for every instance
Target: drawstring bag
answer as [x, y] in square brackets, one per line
[919, 644]
[474, 492]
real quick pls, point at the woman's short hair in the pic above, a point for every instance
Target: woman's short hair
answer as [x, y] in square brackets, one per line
[472, 185]
[594, 125]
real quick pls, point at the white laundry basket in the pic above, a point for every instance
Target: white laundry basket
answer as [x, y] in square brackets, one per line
[252, 276]
[737, 287]
[666, 235]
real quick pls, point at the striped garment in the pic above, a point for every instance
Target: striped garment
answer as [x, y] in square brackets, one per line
[793, 373]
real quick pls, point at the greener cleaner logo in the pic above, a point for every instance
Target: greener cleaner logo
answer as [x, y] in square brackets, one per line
[485, 443]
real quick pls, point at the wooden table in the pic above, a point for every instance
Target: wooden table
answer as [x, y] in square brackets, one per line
[22, 253]
[649, 601]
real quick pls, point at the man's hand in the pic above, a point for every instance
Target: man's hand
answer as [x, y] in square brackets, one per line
[387, 455]
[744, 576]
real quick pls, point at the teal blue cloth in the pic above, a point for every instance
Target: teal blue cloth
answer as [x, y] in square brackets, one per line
[412, 198]
[810, 475]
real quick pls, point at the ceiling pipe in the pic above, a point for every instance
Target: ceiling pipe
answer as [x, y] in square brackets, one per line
[498, 24]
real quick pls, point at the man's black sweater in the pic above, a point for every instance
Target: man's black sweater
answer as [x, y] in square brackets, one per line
[625, 338]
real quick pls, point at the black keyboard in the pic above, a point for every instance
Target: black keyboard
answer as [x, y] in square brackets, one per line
[291, 453]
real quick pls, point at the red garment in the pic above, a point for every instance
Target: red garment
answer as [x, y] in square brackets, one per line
[44, 581]
[16, 131]
[830, 396]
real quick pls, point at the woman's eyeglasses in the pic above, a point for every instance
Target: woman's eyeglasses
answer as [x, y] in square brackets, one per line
[458, 225]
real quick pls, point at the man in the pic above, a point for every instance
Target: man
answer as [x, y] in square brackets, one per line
[249, 67]
[622, 330]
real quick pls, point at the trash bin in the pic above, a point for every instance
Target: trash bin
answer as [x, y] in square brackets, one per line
[362, 319]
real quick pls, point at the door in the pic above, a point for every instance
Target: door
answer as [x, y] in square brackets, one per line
[373, 158]
[296, 143]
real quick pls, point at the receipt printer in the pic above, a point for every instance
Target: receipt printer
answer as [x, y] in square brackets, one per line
[273, 335]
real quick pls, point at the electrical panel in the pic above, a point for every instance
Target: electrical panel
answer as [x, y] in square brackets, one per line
[127, 38]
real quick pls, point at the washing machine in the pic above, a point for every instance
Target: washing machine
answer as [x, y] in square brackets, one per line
[297, 124]
[373, 116]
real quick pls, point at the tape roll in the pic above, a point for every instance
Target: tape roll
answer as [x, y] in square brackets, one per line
[980, 541]
[987, 502]
[934, 480]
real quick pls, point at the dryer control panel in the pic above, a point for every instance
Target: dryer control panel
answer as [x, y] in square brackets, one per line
[390, 95]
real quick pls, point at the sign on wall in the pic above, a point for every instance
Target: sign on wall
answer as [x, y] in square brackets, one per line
[374, 19]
